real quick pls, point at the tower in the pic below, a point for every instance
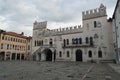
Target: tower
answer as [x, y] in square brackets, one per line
[94, 13]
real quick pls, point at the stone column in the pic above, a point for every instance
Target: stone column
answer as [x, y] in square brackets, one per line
[52, 56]
[5, 56]
[10, 56]
[20, 56]
[15, 56]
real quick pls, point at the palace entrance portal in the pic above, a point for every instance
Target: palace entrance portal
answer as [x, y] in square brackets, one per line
[78, 55]
[48, 54]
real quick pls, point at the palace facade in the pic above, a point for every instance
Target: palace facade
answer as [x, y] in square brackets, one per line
[92, 41]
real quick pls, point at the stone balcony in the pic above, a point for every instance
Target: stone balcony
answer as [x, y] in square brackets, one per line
[70, 45]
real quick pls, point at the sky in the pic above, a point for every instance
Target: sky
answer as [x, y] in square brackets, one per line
[19, 15]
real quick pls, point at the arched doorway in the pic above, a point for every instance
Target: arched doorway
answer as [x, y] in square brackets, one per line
[78, 55]
[48, 54]
[22, 56]
[100, 54]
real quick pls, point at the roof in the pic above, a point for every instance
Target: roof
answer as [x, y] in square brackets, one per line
[15, 34]
[115, 9]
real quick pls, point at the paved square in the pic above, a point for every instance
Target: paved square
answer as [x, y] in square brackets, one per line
[30, 70]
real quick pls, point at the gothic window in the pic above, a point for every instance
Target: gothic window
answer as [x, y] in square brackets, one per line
[35, 43]
[60, 54]
[100, 54]
[90, 54]
[80, 40]
[91, 41]
[95, 24]
[87, 41]
[67, 41]
[73, 41]
[50, 42]
[76, 40]
[64, 42]
[68, 54]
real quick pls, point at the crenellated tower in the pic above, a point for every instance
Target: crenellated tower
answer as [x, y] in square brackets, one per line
[94, 13]
[39, 25]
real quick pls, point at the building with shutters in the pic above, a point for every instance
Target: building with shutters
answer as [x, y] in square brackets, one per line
[14, 46]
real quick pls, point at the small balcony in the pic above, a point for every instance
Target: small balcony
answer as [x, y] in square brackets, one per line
[77, 45]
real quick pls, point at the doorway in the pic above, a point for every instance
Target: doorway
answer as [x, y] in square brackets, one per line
[78, 55]
[48, 54]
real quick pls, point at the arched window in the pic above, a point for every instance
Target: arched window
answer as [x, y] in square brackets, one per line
[50, 42]
[73, 41]
[68, 54]
[91, 41]
[80, 40]
[35, 43]
[67, 41]
[90, 54]
[64, 42]
[95, 24]
[100, 54]
[60, 54]
[76, 40]
[87, 40]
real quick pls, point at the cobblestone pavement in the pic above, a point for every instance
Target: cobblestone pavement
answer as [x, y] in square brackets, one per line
[116, 67]
[29, 70]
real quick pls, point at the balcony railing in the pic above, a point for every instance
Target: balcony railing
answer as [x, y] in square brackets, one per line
[70, 45]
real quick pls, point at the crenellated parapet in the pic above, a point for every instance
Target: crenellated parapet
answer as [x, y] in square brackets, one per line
[94, 13]
[67, 28]
[62, 31]
[40, 25]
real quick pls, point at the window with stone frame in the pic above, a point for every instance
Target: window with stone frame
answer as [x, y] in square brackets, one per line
[80, 40]
[67, 41]
[99, 54]
[2, 46]
[3, 37]
[95, 24]
[90, 54]
[87, 40]
[60, 54]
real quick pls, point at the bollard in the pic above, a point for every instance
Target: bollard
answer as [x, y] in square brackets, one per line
[108, 78]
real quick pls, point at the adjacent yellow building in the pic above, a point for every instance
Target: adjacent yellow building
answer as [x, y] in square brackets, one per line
[14, 46]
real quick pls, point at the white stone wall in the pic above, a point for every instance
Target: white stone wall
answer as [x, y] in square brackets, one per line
[103, 42]
[116, 31]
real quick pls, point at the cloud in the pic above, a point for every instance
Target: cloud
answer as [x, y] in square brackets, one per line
[19, 15]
